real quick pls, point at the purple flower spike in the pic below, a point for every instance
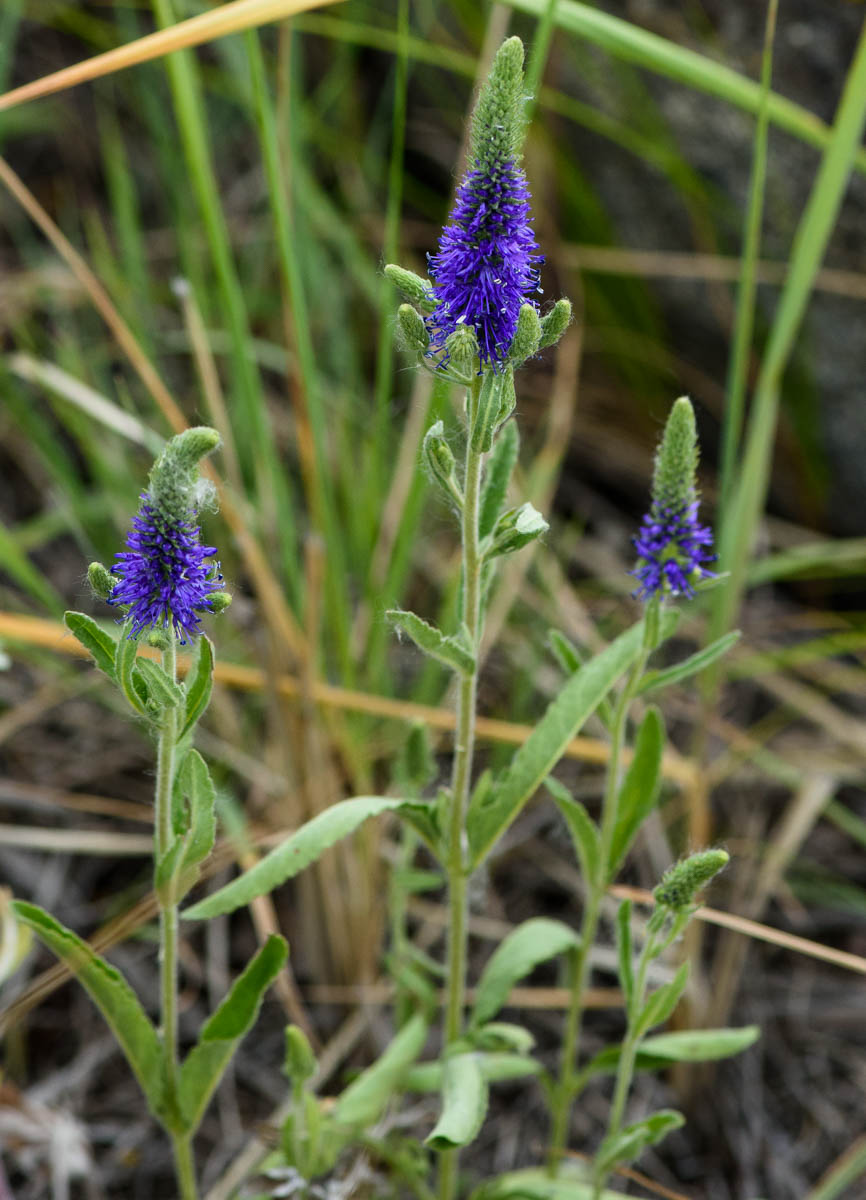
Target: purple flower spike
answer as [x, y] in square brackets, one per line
[673, 548]
[163, 578]
[486, 266]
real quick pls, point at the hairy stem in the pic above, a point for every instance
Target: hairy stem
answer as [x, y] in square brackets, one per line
[462, 777]
[566, 1091]
[165, 768]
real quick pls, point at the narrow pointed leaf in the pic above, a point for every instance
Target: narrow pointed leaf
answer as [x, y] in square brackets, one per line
[364, 1101]
[584, 832]
[653, 681]
[164, 692]
[205, 1063]
[198, 684]
[688, 1045]
[201, 797]
[662, 1002]
[496, 477]
[464, 1103]
[629, 1143]
[93, 637]
[625, 953]
[111, 994]
[522, 950]
[535, 1183]
[496, 1067]
[295, 853]
[125, 660]
[448, 650]
[548, 741]
[640, 789]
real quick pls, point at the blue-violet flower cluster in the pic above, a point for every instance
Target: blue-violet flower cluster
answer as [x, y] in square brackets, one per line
[486, 266]
[673, 548]
[164, 580]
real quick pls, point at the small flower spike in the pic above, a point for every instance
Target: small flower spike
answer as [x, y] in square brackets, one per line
[162, 577]
[685, 879]
[487, 263]
[673, 547]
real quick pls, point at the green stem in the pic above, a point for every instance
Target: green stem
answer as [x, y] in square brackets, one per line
[165, 766]
[566, 1090]
[462, 778]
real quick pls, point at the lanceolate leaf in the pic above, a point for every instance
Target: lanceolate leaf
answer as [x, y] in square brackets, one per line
[464, 1103]
[583, 830]
[111, 994]
[548, 741]
[654, 680]
[447, 650]
[101, 645]
[496, 1067]
[690, 1045]
[640, 788]
[662, 1002]
[205, 1063]
[496, 476]
[628, 1144]
[364, 1101]
[124, 666]
[534, 1183]
[198, 685]
[523, 949]
[164, 692]
[295, 853]
[199, 791]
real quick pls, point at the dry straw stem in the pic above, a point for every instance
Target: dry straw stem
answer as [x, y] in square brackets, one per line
[36, 631]
[228, 18]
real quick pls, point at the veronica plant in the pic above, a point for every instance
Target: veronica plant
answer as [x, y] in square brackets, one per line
[163, 584]
[474, 322]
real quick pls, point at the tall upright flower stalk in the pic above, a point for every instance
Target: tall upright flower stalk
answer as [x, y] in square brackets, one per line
[673, 552]
[478, 320]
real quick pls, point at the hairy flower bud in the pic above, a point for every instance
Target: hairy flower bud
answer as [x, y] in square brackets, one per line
[101, 580]
[300, 1061]
[440, 459]
[527, 335]
[413, 331]
[555, 323]
[461, 350]
[683, 881]
[417, 291]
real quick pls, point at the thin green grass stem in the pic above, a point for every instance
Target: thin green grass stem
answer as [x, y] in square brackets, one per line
[742, 514]
[744, 321]
[538, 57]
[566, 1089]
[462, 777]
[165, 768]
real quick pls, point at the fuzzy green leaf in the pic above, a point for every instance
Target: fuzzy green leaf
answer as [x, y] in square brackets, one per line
[523, 949]
[125, 663]
[548, 741]
[662, 1002]
[624, 952]
[200, 793]
[198, 684]
[496, 1067]
[288, 859]
[487, 409]
[364, 1101]
[464, 1103]
[497, 474]
[639, 792]
[534, 1183]
[629, 1143]
[101, 645]
[163, 692]
[205, 1063]
[111, 994]
[448, 650]
[690, 1045]
[583, 830]
[654, 680]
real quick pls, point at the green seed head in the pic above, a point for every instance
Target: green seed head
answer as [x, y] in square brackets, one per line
[676, 465]
[682, 882]
[174, 478]
[497, 122]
